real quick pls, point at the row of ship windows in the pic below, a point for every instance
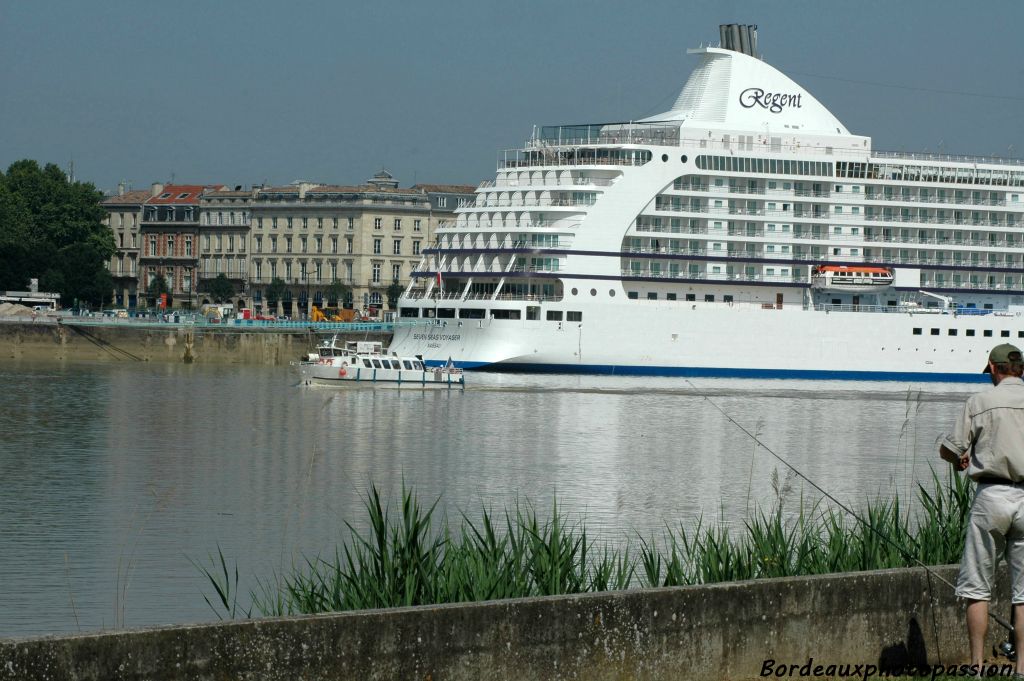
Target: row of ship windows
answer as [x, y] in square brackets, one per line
[392, 364]
[532, 313]
[986, 333]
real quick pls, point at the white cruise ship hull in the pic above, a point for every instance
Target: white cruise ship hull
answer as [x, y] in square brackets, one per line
[681, 339]
[743, 232]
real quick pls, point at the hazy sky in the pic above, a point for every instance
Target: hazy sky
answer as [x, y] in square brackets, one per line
[258, 91]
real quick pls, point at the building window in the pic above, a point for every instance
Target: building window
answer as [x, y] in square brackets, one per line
[170, 245]
[152, 245]
[398, 247]
[259, 271]
[376, 273]
[289, 223]
[376, 246]
[319, 223]
[442, 202]
[319, 244]
[319, 270]
[396, 271]
[348, 244]
[305, 223]
[273, 223]
[398, 224]
[376, 223]
[288, 244]
[188, 245]
[302, 243]
[334, 244]
[351, 223]
[273, 244]
[415, 247]
[348, 271]
[231, 243]
[415, 225]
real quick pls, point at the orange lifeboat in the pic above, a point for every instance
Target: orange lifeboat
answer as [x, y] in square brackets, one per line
[852, 278]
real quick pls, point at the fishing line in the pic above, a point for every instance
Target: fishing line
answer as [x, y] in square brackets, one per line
[838, 503]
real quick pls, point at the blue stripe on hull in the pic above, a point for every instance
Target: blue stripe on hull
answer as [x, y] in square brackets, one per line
[721, 372]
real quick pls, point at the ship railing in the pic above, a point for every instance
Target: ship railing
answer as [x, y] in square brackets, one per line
[526, 297]
[548, 162]
[716, 276]
[955, 158]
[532, 268]
[864, 308]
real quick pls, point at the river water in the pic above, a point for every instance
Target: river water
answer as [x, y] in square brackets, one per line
[116, 476]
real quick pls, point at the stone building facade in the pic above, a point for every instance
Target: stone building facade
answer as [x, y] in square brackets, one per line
[124, 219]
[307, 235]
[224, 242]
[365, 237]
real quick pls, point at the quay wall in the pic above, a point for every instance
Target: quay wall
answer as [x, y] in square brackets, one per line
[725, 631]
[48, 340]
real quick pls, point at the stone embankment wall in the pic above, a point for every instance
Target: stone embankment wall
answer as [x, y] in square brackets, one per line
[726, 631]
[159, 343]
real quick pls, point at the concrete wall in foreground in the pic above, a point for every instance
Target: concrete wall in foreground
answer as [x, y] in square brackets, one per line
[157, 343]
[722, 631]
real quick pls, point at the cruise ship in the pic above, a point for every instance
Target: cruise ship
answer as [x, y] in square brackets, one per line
[743, 233]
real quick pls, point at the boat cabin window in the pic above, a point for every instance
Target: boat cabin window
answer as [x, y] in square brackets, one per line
[376, 364]
[366, 363]
[952, 332]
[505, 314]
[727, 298]
[709, 297]
[652, 295]
[471, 313]
[690, 297]
[632, 295]
[574, 316]
[1020, 334]
[446, 313]
[917, 330]
[969, 332]
[395, 364]
[670, 296]
[1004, 334]
[935, 332]
[554, 315]
[416, 365]
[407, 364]
[987, 333]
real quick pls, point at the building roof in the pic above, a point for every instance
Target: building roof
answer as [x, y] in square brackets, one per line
[181, 194]
[138, 196]
[446, 188]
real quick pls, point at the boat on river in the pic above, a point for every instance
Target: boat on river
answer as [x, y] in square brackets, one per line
[352, 364]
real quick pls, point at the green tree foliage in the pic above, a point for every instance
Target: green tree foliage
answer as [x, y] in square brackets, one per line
[276, 291]
[394, 291]
[338, 292]
[53, 229]
[157, 286]
[221, 289]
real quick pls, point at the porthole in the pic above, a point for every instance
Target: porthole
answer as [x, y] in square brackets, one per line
[593, 291]
[574, 291]
[664, 158]
[611, 293]
[683, 158]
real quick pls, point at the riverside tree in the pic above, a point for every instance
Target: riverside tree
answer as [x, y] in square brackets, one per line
[221, 289]
[52, 229]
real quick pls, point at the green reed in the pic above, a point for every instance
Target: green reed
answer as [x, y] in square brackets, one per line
[410, 555]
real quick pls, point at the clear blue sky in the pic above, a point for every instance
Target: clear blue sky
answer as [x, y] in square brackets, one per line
[249, 92]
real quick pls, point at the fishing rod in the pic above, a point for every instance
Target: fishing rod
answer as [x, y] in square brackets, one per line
[1006, 649]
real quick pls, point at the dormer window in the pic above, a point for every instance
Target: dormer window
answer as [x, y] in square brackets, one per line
[183, 195]
[165, 195]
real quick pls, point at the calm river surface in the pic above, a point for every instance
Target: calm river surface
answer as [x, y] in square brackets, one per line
[115, 475]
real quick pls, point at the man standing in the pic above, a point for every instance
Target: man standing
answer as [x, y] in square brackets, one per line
[988, 443]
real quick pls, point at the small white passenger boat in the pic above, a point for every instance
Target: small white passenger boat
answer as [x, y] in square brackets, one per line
[364, 364]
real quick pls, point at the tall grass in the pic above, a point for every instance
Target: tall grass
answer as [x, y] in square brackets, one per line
[412, 556]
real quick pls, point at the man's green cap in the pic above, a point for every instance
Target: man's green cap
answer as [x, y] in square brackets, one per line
[1003, 354]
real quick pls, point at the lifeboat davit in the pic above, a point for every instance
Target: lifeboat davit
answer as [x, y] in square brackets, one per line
[852, 278]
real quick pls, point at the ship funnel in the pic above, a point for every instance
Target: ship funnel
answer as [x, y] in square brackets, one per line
[739, 38]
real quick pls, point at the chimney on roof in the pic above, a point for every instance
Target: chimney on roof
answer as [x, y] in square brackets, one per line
[740, 38]
[156, 189]
[120, 188]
